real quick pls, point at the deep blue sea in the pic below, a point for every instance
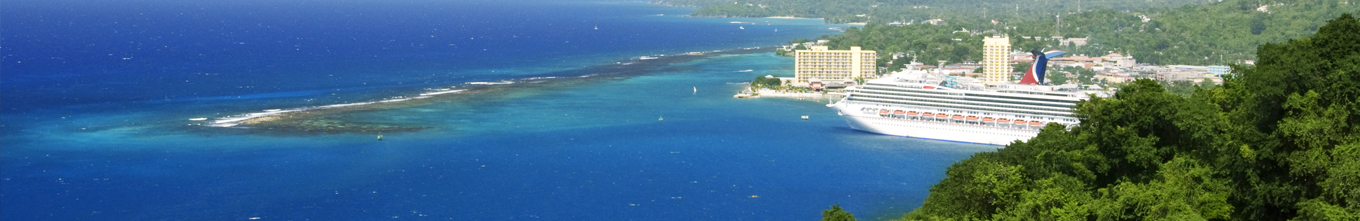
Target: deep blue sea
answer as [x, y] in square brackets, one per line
[96, 97]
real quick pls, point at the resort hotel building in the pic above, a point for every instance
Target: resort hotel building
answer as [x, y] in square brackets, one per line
[996, 60]
[820, 67]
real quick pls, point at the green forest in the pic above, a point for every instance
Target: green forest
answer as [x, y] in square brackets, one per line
[1277, 141]
[1155, 32]
[844, 11]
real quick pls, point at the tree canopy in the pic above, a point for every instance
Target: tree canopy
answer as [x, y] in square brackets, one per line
[1155, 31]
[837, 214]
[1277, 141]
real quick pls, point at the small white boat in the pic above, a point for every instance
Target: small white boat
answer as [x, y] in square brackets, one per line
[646, 58]
[742, 28]
[198, 119]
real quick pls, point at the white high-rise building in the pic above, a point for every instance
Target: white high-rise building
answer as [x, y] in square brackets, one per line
[996, 59]
[822, 64]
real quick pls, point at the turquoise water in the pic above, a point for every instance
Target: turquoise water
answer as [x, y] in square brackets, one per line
[108, 139]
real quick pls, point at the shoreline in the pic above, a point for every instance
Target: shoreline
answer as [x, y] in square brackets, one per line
[816, 97]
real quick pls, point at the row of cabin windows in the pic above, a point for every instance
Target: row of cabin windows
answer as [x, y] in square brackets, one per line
[1018, 127]
[986, 114]
[861, 98]
[894, 88]
[878, 87]
[1063, 109]
[911, 93]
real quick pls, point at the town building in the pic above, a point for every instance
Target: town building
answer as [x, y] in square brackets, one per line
[1121, 60]
[996, 59]
[820, 64]
[1219, 70]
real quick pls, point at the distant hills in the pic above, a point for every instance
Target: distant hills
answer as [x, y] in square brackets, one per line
[843, 11]
[1153, 31]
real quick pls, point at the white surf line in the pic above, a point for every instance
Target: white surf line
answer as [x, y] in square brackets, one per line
[490, 83]
[234, 120]
[442, 92]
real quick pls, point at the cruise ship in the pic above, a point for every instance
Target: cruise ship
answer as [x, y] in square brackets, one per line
[934, 106]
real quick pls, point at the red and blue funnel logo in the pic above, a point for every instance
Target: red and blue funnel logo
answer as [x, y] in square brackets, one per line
[1035, 75]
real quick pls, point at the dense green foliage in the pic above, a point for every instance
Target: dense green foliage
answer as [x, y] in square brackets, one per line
[764, 82]
[837, 214]
[1277, 141]
[1219, 33]
[926, 44]
[1202, 33]
[843, 11]
[1187, 88]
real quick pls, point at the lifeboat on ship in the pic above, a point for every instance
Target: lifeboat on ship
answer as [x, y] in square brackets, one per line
[1036, 123]
[1020, 124]
[988, 119]
[1003, 122]
[913, 115]
[928, 115]
[883, 112]
[972, 118]
[958, 117]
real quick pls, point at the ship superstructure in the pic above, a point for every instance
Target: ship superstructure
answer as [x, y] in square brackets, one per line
[934, 106]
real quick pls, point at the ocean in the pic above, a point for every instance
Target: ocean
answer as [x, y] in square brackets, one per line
[560, 120]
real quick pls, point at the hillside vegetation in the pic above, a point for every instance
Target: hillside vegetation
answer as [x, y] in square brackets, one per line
[1208, 33]
[1277, 141]
[843, 11]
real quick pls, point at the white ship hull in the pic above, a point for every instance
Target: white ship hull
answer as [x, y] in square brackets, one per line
[935, 130]
[961, 109]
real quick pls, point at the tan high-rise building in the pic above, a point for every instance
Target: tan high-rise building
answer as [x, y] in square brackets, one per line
[996, 52]
[823, 64]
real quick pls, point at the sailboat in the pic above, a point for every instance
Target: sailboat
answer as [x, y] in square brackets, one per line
[742, 28]
[696, 89]
[597, 27]
[660, 118]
